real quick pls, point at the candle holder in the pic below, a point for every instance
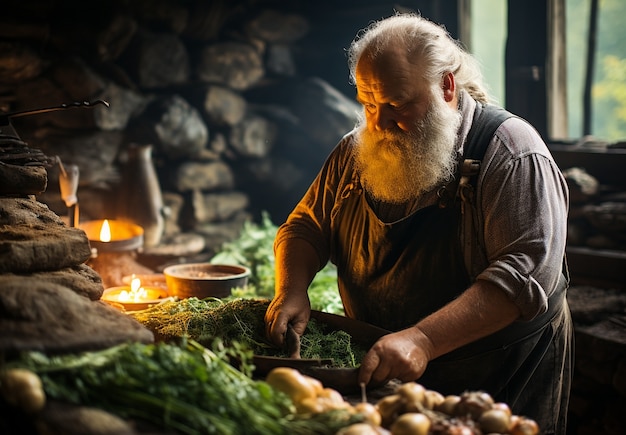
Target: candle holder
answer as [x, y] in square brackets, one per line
[121, 235]
[114, 247]
[135, 296]
[153, 296]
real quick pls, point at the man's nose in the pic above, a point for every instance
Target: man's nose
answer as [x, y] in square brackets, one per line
[384, 120]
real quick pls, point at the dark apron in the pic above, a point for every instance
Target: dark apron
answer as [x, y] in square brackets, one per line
[393, 275]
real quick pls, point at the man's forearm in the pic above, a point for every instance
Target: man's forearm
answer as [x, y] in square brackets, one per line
[296, 264]
[480, 311]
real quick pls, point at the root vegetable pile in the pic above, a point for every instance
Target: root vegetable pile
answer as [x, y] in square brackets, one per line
[415, 410]
[411, 410]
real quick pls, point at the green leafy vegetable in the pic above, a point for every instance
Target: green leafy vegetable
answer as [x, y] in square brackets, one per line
[254, 248]
[185, 388]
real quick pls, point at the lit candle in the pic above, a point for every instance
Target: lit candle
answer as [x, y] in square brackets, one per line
[110, 235]
[136, 294]
[134, 297]
[105, 231]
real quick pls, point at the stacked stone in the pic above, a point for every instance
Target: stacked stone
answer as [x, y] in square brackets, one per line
[49, 296]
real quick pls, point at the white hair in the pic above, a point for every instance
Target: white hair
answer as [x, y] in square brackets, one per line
[427, 45]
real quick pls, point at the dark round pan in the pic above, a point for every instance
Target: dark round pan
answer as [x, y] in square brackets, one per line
[341, 379]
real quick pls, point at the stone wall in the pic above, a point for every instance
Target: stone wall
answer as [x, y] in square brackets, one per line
[215, 89]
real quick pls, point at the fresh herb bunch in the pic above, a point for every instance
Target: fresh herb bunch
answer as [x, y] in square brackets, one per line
[254, 248]
[186, 388]
[241, 320]
[204, 320]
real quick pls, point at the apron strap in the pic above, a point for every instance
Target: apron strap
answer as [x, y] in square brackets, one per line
[487, 119]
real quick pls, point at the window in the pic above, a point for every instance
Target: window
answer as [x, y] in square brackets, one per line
[607, 109]
[488, 42]
[608, 90]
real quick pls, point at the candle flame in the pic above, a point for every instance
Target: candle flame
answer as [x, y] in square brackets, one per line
[136, 294]
[105, 231]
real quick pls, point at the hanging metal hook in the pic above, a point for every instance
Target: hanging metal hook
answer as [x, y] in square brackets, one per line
[5, 117]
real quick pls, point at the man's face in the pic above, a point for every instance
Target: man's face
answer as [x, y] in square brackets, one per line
[407, 141]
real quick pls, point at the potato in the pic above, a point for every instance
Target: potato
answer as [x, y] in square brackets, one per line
[292, 383]
[23, 388]
[411, 423]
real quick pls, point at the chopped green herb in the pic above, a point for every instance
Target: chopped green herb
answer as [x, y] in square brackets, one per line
[241, 320]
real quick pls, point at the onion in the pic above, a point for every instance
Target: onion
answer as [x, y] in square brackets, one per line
[474, 403]
[494, 421]
[412, 392]
[358, 429]
[369, 413]
[309, 405]
[432, 399]
[524, 426]
[332, 399]
[503, 407]
[448, 406]
[389, 407]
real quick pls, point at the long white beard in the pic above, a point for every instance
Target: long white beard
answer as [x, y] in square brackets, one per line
[396, 166]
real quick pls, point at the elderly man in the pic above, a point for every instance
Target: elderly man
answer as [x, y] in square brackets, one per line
[471, 285]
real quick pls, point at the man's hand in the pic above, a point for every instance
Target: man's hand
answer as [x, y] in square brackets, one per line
[296, 265]
[287, 309]
[479, 311]
[400, 355]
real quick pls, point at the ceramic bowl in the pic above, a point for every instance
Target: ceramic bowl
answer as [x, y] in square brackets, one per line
[204, 280]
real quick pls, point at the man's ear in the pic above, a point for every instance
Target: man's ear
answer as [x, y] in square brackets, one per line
[449, 87]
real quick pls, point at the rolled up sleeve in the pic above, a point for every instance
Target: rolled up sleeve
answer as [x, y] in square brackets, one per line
[523, 200]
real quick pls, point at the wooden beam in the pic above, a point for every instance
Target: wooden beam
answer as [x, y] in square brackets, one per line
[536, 79]
[556, 72]
[525, 62]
